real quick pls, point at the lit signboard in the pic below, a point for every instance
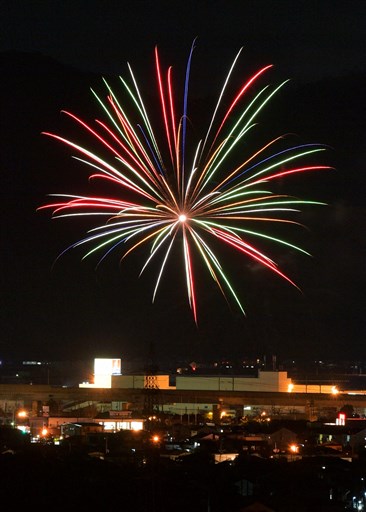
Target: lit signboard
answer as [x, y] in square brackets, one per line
[107, 367]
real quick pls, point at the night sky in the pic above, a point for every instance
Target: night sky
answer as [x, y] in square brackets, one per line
[52, 52]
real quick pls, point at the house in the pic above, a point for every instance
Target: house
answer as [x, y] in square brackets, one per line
[282, 438]
[357, 441]
[80, 428]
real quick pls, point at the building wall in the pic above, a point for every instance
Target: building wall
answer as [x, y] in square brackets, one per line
[266, 381]
[313, 388]
[107, 424]
[139, 381]
[201, 382]
[180, 408]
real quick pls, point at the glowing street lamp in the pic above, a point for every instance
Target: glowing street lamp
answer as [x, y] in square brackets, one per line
[294, 448]
[334, 390]
[22, 414]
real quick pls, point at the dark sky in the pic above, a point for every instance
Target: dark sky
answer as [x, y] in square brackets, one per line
[52, 52]
[308, 39]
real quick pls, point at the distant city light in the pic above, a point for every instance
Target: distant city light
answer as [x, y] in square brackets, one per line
[335, 390]
[341, 420]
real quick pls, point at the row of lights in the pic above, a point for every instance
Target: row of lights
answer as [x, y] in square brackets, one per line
[334, 390]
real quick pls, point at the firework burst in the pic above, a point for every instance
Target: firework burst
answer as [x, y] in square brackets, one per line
[172, 194]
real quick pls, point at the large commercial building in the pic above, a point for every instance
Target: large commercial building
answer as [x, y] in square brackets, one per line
[261, 393]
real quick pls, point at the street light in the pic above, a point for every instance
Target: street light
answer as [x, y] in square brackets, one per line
[20, 414]
[334, 390]
[294, 448]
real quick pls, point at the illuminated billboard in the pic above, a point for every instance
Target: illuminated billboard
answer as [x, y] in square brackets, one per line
[107, 367]
[103, 371]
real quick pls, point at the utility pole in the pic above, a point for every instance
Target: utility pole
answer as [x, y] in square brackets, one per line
[151, 387]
